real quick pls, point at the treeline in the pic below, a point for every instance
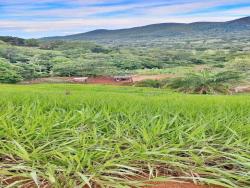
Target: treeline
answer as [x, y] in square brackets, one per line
[22, 59]
[19, 41]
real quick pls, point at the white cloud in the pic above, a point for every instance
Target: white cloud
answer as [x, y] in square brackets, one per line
[22, 15]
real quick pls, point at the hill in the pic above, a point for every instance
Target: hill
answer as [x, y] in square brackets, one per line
[239, 27]
[143, 50]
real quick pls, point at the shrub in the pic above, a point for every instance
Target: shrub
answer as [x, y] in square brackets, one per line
[8, 73]
[149, 83]
[204, 82]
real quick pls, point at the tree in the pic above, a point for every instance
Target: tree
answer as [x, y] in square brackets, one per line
[13, 40]
[204, 82]
[65, 69]
[44, 61]
[149, 83]
[8, 74]
[31, 43]
[28, 71]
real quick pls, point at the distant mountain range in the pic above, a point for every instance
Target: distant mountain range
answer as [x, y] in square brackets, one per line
[239, 27]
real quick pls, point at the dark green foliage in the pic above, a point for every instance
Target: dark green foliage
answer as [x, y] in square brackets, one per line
[9, 76]
[13, 40]
[19, 41]
[28, 71]
[149, 83]
[219, 65]
[65, 69]
[8, 73]
[100, 49]
[31, 43]
[198, 61]
[45, 61]
[204, 82]
[13, 54]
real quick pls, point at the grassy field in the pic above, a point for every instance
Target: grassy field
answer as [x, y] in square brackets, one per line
[72, 135]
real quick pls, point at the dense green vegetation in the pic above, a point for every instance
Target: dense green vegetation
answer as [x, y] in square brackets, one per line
[184, 51]
[76, 135]
[69, 135]
[204, 82]
[60, 58]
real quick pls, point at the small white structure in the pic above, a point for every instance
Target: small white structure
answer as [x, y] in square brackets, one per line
[80, 80]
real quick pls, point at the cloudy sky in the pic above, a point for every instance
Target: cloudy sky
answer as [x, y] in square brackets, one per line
[39, 18]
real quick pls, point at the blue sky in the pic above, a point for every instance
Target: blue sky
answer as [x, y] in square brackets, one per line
[39, 18]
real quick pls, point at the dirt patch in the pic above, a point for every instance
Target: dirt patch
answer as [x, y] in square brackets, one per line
[79, 80]
[200, 68]
[241, 89]
[138, 78]
[24, 183]
[179, 185]
[30, 184]
[106, 80]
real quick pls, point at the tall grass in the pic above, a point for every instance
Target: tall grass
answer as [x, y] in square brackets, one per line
[71, 136]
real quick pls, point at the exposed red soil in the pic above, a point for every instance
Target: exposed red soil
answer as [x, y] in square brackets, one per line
[106, 80]
[98, 80]
[44, 184]
[91, 80]
[179, 185]
[241, 89]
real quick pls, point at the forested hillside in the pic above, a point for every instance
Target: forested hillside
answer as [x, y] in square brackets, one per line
[22, 59]
[165, 31]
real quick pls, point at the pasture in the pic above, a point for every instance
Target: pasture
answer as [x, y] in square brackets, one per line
[84, 135]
